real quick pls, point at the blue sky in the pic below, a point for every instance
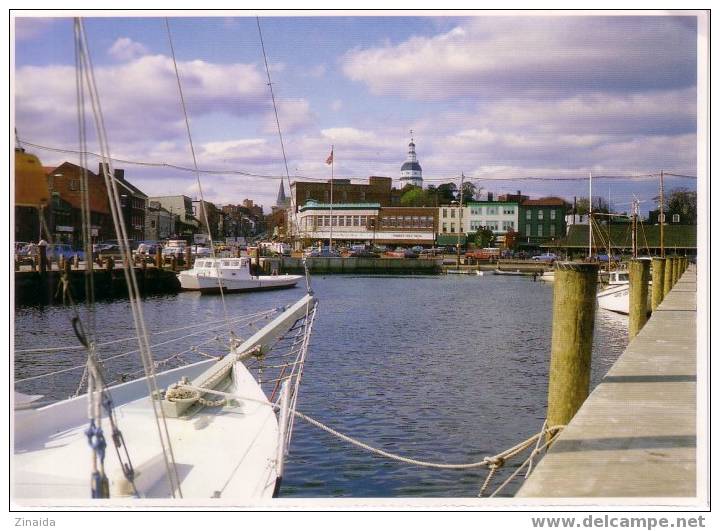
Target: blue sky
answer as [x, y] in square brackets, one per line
[498, 98]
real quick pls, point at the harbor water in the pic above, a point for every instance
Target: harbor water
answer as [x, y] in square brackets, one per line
[446, 369]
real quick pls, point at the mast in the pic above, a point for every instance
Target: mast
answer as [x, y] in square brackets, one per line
[590, 239]
[634, 228]
[332, 178]
[462, 180]
[662, 214]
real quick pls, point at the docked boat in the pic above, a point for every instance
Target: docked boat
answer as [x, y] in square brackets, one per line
[516, 273]
[209, 275]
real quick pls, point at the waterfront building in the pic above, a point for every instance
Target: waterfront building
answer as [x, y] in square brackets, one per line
[133, 204]
[679, 239]
[65, 224]
[541, 220]
[369, 223]
[239, 222]
[206, 209]
[377, 190]
[498, 216]
[159, 222]
[411, 171]
[32, 196]
[180, 206]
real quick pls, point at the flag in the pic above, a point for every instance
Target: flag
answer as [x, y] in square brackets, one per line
[329, 160]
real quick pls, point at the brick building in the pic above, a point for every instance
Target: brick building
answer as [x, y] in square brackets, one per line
[64, 183]
[377, 190]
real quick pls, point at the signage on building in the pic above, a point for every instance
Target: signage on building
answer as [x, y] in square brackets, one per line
[63, 228]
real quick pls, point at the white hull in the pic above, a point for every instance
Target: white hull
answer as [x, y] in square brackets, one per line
[228, 451]
[225, 452]
[615, 298]
[210, 284]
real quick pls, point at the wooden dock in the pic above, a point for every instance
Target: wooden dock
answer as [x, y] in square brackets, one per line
[636, 434]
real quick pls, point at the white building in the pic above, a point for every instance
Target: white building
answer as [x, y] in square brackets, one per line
[499, 217]
[411, 171]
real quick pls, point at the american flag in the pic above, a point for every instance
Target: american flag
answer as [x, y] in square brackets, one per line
[329, 160]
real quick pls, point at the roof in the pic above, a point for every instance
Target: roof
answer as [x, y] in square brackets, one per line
[620, 236]
[545, 201]
[481, 203]
[314, 205]
[414, 166]
[31, 187]
[97, 196]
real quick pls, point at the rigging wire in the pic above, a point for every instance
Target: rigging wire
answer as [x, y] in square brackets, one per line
[128, 271]
[246, 173]
[282, 147]
[203, 204]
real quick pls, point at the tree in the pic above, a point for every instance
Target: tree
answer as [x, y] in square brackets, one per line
[683, 202]
[599, 205]
[413, 196]
[484, 237]
[511, 239]
[446, 192]
[469, 191]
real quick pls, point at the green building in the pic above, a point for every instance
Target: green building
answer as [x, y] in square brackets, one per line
[541, 221]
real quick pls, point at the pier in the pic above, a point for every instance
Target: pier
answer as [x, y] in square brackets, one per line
[356, 266]
[636, 434]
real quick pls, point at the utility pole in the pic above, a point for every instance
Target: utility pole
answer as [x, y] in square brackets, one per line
[332, 178]
[462, 181]
[662, 214]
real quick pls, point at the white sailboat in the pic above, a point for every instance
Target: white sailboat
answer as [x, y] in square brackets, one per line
[206, 430]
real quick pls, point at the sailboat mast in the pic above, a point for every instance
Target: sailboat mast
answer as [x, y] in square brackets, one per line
[332, 178]
[662, 214]
[590, 237]
[460, 228]
[634, 228]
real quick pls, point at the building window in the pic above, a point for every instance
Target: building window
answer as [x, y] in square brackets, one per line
[341, 220]
[452, 213]
[74, 184]
[344, 195]
[552, 229]
[552, 214]
[540, 229]
[362, 196]
[528, 216]
[676, 218]
[528, 228]
[444, 212]
[452, 227]
[509, 210]
[444, 227]
[540, 215]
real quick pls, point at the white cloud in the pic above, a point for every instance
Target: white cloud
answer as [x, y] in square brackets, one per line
[542, 56]
[125, 49]
[294, 115]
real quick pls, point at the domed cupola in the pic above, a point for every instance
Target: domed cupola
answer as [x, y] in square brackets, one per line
[411, 171]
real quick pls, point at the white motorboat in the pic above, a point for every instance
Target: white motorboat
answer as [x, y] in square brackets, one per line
[208, 275]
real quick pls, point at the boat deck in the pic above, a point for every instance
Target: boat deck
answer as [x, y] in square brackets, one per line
[221, 452]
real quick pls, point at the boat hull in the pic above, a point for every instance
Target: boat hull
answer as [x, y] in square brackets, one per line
[210, 284]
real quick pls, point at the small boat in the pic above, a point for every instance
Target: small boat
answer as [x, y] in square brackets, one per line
[516, 273]
[615, 298]
[233, 275]
[547, 276]
[463, 272]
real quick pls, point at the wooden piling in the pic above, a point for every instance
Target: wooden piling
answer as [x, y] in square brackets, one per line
[639, 276]
[658, 280]
[675, 266]
[667, 277]
[188, 257]
[43, 261]
[173, 262]
[572, 335]
[76, 261]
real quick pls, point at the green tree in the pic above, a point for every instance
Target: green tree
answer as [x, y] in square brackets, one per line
[683, 202]
[414, 196]
[482, 238]
[446, 192]
[599, 205]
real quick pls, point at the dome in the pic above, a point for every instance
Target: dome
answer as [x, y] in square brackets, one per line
[411, 166]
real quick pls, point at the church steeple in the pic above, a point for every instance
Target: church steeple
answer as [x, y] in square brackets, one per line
[281, 199]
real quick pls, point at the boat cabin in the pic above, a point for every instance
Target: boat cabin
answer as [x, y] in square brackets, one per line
[222, 263]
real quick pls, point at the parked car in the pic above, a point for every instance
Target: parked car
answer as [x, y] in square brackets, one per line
[417, 249]
[55, 250]
[364, 253]
[547, 257]
[325, 252]
[200, 251]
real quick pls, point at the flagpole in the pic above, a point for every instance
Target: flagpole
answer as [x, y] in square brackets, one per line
[332, 178]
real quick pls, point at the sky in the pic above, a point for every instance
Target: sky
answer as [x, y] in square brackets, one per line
[518, 102]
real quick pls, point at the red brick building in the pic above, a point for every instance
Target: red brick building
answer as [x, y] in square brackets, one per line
[377, 190]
